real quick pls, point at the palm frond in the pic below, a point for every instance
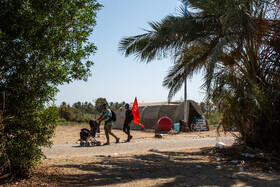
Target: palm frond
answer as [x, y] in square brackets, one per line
[166, 37]
[191, 61]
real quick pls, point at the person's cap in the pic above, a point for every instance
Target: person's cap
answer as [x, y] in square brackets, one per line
[126, 105]
[103, 104]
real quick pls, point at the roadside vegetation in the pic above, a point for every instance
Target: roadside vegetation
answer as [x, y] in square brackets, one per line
[43, 44]
[81, 112]
[235, 44]
[211, 113]
[214, 119]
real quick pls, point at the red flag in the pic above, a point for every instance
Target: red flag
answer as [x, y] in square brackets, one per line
[135, 112]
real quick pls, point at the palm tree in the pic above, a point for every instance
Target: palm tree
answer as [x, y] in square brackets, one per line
[235, 44]
[196, 41]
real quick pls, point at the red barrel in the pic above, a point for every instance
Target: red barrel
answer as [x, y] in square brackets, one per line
[164, 123]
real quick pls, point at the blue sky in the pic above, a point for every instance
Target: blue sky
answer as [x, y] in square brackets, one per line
[116, 77]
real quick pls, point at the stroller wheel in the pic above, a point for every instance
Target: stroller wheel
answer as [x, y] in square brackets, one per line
[82, 143]
[87, 144]
[98, 143]
[92, 143]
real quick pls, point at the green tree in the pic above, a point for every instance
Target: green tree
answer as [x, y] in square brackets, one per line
[115, 106]
[43, 44]
[203, 107]
[77, 105]
[63, 103]
[89, 108]
[236, 45]
[99, 102]
[66, 113]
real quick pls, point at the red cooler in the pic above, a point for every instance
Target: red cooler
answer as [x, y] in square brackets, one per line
[164, 124]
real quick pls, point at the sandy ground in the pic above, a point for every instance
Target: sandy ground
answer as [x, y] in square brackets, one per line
[185, 167]
[71, 133]
[75, 150]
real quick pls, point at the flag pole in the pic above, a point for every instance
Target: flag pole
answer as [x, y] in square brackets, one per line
[185, 103]
[187, 3]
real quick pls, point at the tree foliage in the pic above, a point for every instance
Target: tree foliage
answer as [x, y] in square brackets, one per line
[236, 45]
[83, 112]
[116, 106]
[112, 105]
[43, 44]
[86, 107]
[99, 102]
[79, 112]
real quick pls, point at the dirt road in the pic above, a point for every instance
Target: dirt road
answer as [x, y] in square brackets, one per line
[175, 160]
[75, 150]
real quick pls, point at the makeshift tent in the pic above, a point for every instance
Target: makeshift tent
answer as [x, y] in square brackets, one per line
[150, 113]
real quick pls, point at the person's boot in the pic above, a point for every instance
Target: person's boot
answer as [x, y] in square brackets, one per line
[130, 137]
[117, 140]
[107, 143]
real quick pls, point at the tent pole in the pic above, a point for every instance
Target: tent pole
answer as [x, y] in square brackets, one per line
[185, 103]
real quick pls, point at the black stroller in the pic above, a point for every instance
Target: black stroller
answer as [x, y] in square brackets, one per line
[87, 137]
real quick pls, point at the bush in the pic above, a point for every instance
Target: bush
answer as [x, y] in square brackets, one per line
[24, 138]
[69, 114]
[45, 47]
[214, 119]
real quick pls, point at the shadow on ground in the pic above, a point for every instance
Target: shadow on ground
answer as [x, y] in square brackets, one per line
[160, 169]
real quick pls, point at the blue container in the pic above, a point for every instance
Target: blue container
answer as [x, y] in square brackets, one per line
[176, 127]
